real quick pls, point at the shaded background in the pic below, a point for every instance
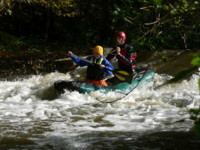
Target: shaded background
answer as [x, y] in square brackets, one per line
[48, 25]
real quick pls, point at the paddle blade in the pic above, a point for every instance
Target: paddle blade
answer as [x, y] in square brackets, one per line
[123, 72]
[123, 75]
[120, 77]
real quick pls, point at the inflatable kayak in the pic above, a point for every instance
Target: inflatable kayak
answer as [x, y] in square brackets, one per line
[141, 75]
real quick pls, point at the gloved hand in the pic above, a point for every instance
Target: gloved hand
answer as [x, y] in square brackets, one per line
[69, 53]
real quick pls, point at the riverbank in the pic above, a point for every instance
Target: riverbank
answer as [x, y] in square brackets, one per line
[176, 63]
[171, 62]
[20, 64]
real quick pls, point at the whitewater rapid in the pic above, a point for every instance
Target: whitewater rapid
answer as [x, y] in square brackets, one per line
[29, 106]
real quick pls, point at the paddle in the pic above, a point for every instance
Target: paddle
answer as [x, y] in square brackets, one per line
[123, 75]
[75, 66]
[72, 68]
[120, 74]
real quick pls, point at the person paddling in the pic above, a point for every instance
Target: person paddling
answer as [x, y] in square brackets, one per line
[124, 53]
[97, 66]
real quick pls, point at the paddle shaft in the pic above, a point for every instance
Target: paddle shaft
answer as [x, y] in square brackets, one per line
[75, 66]
[90, 62]
[120, 74]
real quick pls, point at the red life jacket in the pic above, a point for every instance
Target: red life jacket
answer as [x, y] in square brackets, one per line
[124, 52]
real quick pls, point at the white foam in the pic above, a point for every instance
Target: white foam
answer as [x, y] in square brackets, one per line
[26, 101]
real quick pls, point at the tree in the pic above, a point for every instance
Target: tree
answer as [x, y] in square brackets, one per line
[165, 23]
[59, 7]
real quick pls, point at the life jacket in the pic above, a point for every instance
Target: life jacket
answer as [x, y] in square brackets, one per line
[133, 57]
[123, 64]
[94, 73]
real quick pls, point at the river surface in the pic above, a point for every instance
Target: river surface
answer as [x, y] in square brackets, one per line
[32, 116]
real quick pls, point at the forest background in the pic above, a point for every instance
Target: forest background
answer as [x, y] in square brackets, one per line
[54, 25]
[34, 33]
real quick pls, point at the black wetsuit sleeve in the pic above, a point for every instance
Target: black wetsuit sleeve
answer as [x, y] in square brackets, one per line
[126, 60]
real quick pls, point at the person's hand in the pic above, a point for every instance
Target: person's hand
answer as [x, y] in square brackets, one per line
[69, 53]
[118, 50]
[102, 66]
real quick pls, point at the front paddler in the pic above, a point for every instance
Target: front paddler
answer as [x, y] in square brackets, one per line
[98, 67]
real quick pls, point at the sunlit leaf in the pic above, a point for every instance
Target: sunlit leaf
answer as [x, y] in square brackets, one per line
[173, 12]
[196, 61]
[9, 12]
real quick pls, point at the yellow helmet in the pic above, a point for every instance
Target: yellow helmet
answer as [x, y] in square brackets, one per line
[98, 49]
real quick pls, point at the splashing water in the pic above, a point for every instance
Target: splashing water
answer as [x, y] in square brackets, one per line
[31, 110]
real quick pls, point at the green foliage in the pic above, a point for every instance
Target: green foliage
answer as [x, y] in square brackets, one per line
[9, 42]
[59, 7]
[199, 83]
[196, 60]
[166, 24]
[150, 24]
[195, 115]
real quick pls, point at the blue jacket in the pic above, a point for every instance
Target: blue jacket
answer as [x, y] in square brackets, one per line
[105, 62]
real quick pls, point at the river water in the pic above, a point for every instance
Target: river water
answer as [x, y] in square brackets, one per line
[32, 116]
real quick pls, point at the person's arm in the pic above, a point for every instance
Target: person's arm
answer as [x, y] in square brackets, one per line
[127, 60]
[107, 66]
[77, 60]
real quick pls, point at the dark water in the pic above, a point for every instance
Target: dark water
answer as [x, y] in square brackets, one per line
[109, 140]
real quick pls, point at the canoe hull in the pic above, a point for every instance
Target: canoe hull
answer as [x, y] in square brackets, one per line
[143, 75]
